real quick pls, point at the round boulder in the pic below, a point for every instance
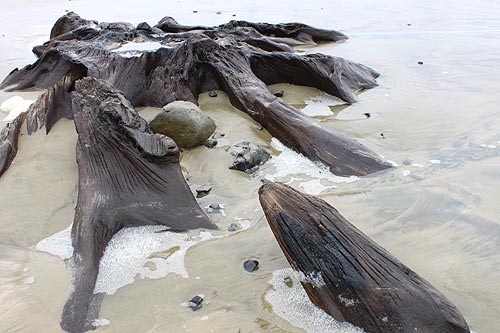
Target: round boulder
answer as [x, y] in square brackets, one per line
[185, 123]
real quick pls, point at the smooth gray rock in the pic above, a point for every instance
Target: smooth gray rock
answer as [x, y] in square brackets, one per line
[185, 123]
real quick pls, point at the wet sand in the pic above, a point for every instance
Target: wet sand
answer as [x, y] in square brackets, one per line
[441, 219]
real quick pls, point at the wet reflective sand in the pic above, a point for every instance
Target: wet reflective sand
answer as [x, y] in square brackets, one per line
[441, 218]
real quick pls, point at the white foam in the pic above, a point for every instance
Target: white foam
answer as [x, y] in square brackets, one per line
[435, 161]
[394, 164]
[15, 106]
[290, 163]
[148, 252]
[138, 46]
[58, 244]
[135, 49]
[320, 105]
[100, 322]
[293, 305]
[406, 173]
[29, 280]
[128, 251]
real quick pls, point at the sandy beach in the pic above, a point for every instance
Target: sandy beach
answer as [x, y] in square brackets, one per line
[436, 211]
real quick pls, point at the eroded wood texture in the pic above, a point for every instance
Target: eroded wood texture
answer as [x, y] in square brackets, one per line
[360, 281]
[50, 106]
[238, 57]
[128, 177]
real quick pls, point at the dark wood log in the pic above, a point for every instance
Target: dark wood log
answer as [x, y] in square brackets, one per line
[360, 281]
[8, 142]
[239, 57]
[49, 107]
[128, 177]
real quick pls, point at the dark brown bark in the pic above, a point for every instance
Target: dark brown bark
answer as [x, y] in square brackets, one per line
[239, 57]
[49, 107]
[8, 142]
[363, 283]
[128, 177]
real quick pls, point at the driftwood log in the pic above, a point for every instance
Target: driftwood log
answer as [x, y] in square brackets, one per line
[239, 57]
[128, 177]
[360, 282]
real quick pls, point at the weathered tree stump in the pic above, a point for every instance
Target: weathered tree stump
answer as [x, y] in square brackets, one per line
[128, 177]
[357, 280]
[238, 57]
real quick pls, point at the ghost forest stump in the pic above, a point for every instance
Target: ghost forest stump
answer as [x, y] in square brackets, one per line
[129, 176]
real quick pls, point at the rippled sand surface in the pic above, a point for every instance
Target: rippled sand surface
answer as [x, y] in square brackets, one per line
[437, 211]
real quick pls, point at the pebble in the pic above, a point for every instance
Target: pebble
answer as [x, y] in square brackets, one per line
[367, 115]
[203, 191]
[210, 143]
[195, 303]
[151, 265]
[233, 227]
[212, 94]
[382, 135]
[215, 206]
[279, 93]
[420, 62]
[251, 265]
[219, 12]
[259, 128]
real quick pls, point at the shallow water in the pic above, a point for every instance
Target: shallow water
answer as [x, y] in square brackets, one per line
[441, 219]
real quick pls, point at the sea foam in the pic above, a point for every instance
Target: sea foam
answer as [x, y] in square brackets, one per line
[148, 252]
[293, 305]
[14, 106]
[290, 163]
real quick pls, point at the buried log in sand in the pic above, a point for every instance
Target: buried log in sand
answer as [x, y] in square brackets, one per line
[356, 279]
[239, 57]
[128, 177]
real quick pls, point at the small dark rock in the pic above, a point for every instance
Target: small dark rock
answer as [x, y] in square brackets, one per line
[195, 303]
[233, 227]
[203, 191]
[288, 281]
[218, 135]
[265, 181]
[248, 157]
[259, 128]
[195, 11]
[279, 93]
[212, 94]
[251, 265]
[234, 15]
[420, 62]
[215, 206]
[382, 135]
[408, 24]
[144, 26]
[367, 115]
[218, 13]
[210, 143]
